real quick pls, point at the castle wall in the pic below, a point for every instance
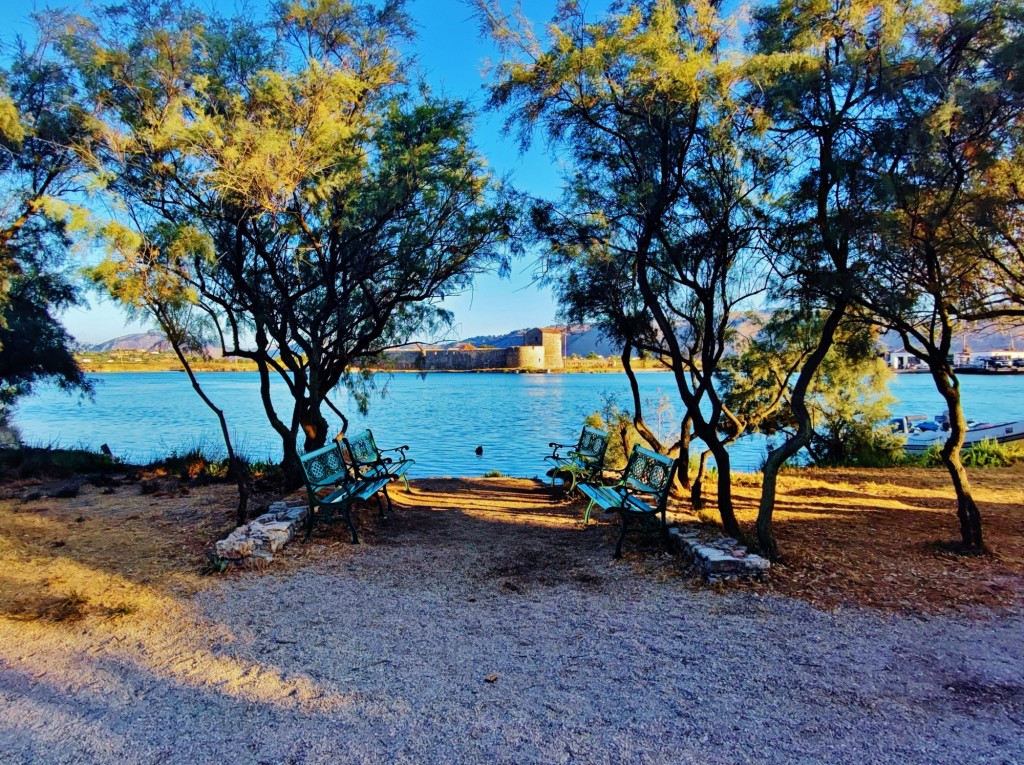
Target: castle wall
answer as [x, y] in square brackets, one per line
[525, 357]
[432, 359]
[542, 350]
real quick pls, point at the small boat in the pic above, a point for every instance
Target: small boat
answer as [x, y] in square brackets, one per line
[922, 433]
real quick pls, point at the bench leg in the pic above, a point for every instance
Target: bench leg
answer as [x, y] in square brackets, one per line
[586, 515]
[309, 522]
[622, 535]
[347, 514]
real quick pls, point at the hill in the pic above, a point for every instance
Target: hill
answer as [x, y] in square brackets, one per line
[140, 341]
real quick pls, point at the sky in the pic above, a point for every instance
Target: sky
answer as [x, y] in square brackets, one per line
[452, 56]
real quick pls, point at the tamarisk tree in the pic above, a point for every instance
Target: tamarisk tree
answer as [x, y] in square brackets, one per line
[340, 204]
[822, 71]
[661, 196]
[40, 181]
[946, 248]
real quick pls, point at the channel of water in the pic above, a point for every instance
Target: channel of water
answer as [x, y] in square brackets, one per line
[443, 417]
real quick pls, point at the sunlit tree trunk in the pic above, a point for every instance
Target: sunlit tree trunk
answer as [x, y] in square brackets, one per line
[777, 458]
[966, 508]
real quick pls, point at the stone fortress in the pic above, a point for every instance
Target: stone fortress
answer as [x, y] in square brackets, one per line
[541, 351]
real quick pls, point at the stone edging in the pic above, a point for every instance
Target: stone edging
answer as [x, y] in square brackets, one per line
[263, 536]
[721, 558]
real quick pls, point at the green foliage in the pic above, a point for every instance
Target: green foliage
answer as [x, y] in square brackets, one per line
[214, 564]
[494, 474]
[992, 454]
[39, 121]
[848, 398]
[618, 424]
[985, 454]
[37, 462]
[288, 188]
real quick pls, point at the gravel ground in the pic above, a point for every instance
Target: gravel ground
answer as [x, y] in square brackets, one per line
[449, 638]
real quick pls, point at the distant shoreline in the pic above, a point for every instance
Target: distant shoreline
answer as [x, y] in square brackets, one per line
[95, 370]
[117, 362]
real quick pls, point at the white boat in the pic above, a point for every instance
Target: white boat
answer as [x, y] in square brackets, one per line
[922, 434]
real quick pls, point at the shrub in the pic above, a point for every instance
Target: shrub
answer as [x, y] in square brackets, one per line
[992, 454]
[981, 455]
[36, 462]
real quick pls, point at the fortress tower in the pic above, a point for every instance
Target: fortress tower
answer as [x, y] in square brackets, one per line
[551, 340]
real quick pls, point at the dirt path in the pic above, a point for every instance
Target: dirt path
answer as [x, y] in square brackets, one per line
[479, 623]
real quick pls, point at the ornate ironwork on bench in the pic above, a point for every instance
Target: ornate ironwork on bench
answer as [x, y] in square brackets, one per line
[326, 469]
[368, 461]
[583, 462]
[641, 496]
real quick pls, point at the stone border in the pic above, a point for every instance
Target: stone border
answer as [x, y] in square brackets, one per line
[265, 535]
[721, 558]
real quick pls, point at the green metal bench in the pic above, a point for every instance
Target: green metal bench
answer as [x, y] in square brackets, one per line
[368, 461]
[641, 495]
[326, 468]
[583, 462]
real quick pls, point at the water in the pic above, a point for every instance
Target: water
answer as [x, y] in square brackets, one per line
[442, 417]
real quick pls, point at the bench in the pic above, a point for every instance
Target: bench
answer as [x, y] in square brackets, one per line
[641, 495]
[326, 468]
[583, 462]
[368, 461]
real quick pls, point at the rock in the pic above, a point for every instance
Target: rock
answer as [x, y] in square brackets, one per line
[70, 489]
[235, 547]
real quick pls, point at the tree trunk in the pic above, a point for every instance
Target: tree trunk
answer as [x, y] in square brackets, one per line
[683, 473]
[725, 506]
[966, 508]
[638, 415]
[237, 467]
[314, 425]
[697, 489]
[798, 404]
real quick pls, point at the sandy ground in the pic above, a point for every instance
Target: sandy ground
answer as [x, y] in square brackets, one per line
[481, 622]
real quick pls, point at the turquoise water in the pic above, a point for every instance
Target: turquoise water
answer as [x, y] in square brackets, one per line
[442, 417]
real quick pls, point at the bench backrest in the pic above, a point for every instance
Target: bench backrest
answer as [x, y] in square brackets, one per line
[324, 466]
[651, 473]
[362, 448]
[593, 443]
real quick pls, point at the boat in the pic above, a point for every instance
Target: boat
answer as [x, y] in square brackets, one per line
[922, 433]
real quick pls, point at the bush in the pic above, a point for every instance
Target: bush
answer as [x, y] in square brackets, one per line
[858, 445]
[992, 454]
[981, 455]
[36, 462]
[622, 433]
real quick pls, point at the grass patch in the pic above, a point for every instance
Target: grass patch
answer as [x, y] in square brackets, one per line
[45, 462]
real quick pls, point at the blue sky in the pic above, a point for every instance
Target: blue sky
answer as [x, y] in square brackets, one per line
[451, 55]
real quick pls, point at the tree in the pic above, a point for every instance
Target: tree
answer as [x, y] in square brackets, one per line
[943, 252]
[39, 178]
[660, 207]
[847, 399]
[821, 71]
[339, 207]
[146, 287]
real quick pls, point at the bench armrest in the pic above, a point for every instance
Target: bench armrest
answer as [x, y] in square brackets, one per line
[555, 447]
[400, 449]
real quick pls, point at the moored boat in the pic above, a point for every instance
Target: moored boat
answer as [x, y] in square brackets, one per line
[921, 433]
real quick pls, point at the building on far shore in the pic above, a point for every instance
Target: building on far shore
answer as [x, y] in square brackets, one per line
[541, 350]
